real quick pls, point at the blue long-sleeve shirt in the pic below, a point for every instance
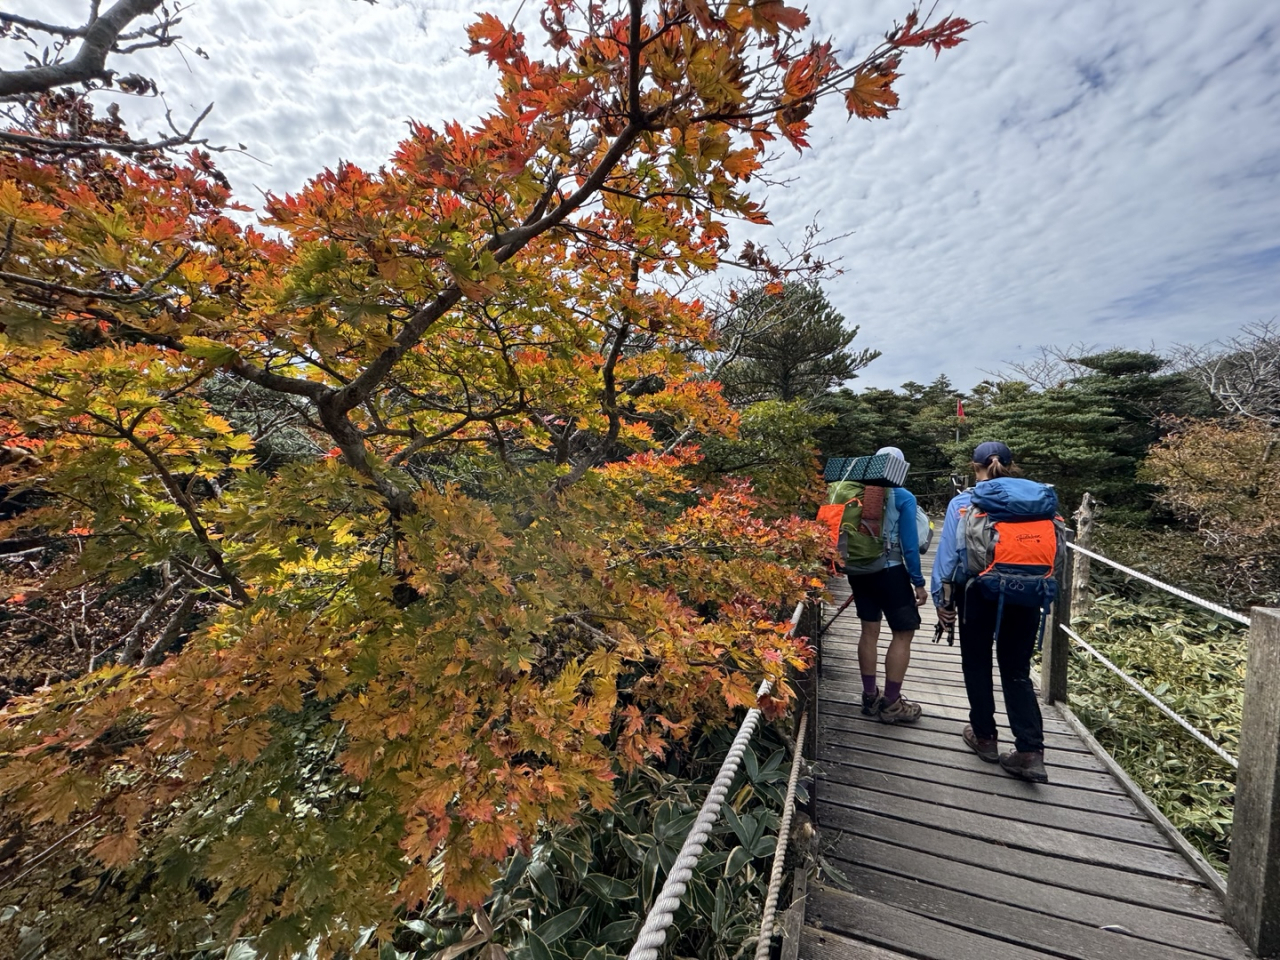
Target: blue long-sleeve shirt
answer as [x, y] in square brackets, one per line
[950, 561]
[901, 530]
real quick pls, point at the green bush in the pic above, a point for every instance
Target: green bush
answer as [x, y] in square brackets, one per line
[1195, 662]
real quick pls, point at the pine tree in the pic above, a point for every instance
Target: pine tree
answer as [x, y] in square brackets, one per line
[791, 344]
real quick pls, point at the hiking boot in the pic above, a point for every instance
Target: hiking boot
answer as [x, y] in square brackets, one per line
[901, 710]
[871, 703]
[988, 748]
[1028, 765]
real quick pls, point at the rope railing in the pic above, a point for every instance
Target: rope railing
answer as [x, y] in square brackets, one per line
[1155, 701]
[1176, 591]
[653, 934]
[765, 944]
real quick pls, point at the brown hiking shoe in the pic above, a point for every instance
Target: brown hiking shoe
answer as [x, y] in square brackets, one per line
[988, 748]
[901, 710]
[871, 703]
[1027, 765]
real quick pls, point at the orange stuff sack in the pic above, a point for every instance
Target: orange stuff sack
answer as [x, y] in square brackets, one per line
[855, 516]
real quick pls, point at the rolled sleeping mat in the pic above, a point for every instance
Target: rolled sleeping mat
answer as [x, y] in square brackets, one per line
[880, 470]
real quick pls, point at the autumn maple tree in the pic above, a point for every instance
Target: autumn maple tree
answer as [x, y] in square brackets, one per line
[485, 581]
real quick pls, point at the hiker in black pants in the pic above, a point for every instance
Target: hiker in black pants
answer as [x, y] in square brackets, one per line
[977, 613]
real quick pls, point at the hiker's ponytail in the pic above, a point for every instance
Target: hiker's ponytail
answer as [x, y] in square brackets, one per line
[996, 469]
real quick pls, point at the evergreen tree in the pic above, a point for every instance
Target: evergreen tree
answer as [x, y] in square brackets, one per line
[787, 344]
[1090, 432]
[917, 419]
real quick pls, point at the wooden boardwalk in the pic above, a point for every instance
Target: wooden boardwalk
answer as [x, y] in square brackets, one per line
[948, 857]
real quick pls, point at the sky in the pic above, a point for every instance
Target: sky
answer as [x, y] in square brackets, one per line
[1100, 173]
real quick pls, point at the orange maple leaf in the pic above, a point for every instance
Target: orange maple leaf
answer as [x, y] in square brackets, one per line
[872, 95]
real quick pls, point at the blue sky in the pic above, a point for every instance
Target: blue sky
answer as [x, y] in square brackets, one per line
[1103, 172]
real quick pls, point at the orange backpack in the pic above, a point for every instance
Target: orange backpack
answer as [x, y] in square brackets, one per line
[1015, 544]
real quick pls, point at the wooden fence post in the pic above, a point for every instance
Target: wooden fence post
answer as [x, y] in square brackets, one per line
[1080, 596]
[1057, 645]
[1253, 885]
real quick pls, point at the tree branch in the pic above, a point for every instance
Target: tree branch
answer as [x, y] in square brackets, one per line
[90, 61]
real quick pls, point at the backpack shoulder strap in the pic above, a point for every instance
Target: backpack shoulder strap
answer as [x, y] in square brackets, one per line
[847, 471]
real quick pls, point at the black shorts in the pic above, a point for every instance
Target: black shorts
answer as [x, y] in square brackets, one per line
[886, 594]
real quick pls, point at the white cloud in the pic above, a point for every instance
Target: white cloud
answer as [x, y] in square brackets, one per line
[1103, 172]
[1099, 171]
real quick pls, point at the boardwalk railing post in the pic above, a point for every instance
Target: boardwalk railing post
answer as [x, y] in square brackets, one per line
[1253, 885]
[1080, 562]
[1057, 645]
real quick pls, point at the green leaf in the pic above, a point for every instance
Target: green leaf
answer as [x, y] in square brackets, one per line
[739, 857]
[649, 875]
[207, 349]
[546, 881]
[736, 825]
[608, 888]
[561, 925]
[618, 930]
[538, 949]
[673, 831]
[631, 848]
[721, 910]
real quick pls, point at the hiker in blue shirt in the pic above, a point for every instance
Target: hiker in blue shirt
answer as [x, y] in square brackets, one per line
[895, 594]
[978, 617]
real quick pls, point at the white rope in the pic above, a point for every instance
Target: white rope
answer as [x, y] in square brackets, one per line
[1159, 704]
[654, 932]
[1177, 592]
[765, 944]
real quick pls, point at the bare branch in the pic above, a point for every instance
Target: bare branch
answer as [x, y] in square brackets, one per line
[52, 146]
[89, 63]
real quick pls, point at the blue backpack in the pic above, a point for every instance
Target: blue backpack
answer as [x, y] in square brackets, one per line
[1015, 544]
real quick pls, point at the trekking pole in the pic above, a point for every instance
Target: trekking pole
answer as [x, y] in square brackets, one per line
[843, 607]
[950, 628]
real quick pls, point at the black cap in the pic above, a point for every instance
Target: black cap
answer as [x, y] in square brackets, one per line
[983, 452]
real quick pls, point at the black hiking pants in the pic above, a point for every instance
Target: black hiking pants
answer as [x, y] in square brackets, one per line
[1019, 629]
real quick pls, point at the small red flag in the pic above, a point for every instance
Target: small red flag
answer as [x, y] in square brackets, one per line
[960, 409]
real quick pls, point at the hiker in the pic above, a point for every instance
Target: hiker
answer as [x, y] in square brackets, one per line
[894, 593]
[1004, 607]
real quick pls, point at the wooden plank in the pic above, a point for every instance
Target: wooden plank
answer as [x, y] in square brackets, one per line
[947, 750]
[1176, 840]
[1112, 881]
[952, 703]
[980, 776]
[1001, 921]
[887, 925]
[915, 687]
[882, 739]
[825, 945]
[927, 659]
[840, 799]
[993, 806]
[948, 720]
[848, 671]
[793, 920]
[964, 849]
[1209, 937]
[1057, 736]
